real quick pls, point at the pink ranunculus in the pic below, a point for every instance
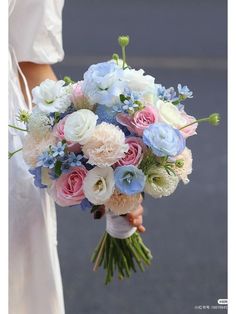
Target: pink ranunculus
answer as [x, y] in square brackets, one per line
[78, 98]
[135, 153]
[67, 190]
[58, 131]
[76, 93]
[139, 121]
[190, 130]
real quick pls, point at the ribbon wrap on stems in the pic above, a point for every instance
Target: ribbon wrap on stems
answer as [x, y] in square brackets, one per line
[118, 226]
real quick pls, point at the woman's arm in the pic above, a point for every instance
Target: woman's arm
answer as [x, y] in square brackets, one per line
[35, 74]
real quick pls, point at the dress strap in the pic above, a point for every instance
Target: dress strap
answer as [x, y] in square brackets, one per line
[29, 101]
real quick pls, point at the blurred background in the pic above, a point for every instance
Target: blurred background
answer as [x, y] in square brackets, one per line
[175, 41]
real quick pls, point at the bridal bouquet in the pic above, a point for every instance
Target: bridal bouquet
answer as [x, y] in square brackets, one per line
[106, 141]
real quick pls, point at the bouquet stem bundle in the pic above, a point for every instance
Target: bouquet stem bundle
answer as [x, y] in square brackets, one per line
[121, 255]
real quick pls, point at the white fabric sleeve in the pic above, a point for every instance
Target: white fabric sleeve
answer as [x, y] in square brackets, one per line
[35, 30]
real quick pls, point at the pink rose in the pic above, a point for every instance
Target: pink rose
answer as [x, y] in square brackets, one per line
[190, 130]
[139, 121]
[135, 153]
[58, 131]
[67, 190]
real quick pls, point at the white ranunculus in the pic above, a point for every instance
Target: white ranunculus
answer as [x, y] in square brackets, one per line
[79, 126]
[99, 184]
[52, 96]
[159, 183]
[170, 114]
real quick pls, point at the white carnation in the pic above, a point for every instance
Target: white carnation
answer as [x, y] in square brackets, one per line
[79, 126]
[99, 185]
[52, 96]
[159, 183]
[106, 146]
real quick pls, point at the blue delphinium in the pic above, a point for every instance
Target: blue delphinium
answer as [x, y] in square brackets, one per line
[36, 172]
[184, 91]
[129, 179]
[74, 160]
[46, 160]
[130, 101]
[65, 167]
[164, 140]
[167, 94]
[58, 149]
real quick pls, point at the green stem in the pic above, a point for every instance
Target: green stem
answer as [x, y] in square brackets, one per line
[100, 253]
[17, 128]
[196, 121]
[123, 56]
[13, 153]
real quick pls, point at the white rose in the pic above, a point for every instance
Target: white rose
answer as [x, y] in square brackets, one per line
[79, 126]
[52, 96]
[170, 114]
[99, 184]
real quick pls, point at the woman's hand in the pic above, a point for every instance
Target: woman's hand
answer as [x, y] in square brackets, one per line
[136, 218]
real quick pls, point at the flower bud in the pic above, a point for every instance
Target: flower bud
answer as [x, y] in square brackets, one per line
[68, 80]
[179, 163]
[214, 119]
[115, 57]
[123, 41]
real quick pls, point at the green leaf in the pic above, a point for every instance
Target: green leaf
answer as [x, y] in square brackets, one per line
[57, 168]
[122, 98]
[57, 117]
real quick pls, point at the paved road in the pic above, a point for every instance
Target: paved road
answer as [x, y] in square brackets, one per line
[186, 231]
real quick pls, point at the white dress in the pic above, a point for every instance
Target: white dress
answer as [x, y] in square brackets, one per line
[34, 274]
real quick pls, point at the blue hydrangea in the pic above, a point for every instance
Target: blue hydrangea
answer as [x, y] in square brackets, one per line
[129, 179]
[36, 172]
[164, 140]
[106, 114]
[184, 91]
